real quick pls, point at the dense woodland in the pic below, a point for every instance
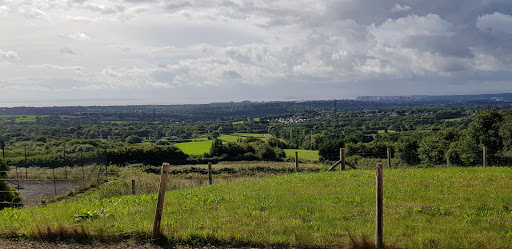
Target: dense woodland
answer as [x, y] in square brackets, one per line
[418, 133]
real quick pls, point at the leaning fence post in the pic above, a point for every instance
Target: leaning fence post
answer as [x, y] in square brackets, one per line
[379, 220]
[389, 158]
[485, 156]
[296, 161]
[17, 178]
[160, 201]
[210, 178]
[342, 158]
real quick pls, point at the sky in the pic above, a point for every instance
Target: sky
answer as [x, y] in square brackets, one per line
[93, 52]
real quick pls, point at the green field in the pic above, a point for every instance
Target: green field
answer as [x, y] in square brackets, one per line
[195, 148]
[241, 122]
[248, 135]
[384, 131]
[22, 118]
[423, 208]
[453, 119]
[308, 155]
[228, 138]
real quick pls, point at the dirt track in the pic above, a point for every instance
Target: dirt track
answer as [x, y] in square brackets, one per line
[35, 190]
[10, 244]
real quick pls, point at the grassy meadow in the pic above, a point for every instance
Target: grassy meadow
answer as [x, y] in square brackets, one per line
[228, 138]
[423, 208]
[307, 155]
[195, 148]
[248, 135]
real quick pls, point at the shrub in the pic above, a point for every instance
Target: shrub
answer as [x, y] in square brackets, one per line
[8, 196]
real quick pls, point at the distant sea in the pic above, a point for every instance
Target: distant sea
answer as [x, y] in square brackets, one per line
[100, 102]
[126, 101]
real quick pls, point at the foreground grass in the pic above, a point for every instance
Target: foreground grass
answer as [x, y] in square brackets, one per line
[424, 208]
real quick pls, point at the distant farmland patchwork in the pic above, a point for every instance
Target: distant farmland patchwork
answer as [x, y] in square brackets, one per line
[22, 118]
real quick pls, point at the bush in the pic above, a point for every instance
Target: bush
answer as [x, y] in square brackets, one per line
[153, 155]
[8, 196]
[257, 149]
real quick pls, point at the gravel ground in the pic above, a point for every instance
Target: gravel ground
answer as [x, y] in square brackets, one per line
[34, 190]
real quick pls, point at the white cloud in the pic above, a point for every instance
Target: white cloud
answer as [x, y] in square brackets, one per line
[496, 22]
[9, 56]
[397, 31]
[103, 8]
[400, 8]
[5, 10]
[77, 36]
[33, 13]
[56, 67]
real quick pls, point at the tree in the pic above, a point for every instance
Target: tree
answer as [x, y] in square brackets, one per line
[432, 149]
[330, 150]
[505, 131]
[407, 150]
[217, 149]
[133, 139]
[485, 131]
[276, 142]
[8, 195]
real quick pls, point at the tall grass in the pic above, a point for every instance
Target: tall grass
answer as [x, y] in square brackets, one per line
[424, 208]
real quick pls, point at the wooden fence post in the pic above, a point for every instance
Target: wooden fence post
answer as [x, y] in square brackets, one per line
[99, 174]
[485, 156]
[342, 158]
[54, 182]
[133, 187]
[210, 178]
[160, 202]
[389, 158]
[17, 179]
[296, 161]
[379, 220]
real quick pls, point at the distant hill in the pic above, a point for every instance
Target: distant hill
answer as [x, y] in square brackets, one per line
[248, 109]
[489, 98]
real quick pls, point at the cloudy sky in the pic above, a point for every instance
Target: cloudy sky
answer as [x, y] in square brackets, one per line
[159, 52]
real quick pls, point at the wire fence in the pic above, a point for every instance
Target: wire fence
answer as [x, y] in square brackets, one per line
[307, 209]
